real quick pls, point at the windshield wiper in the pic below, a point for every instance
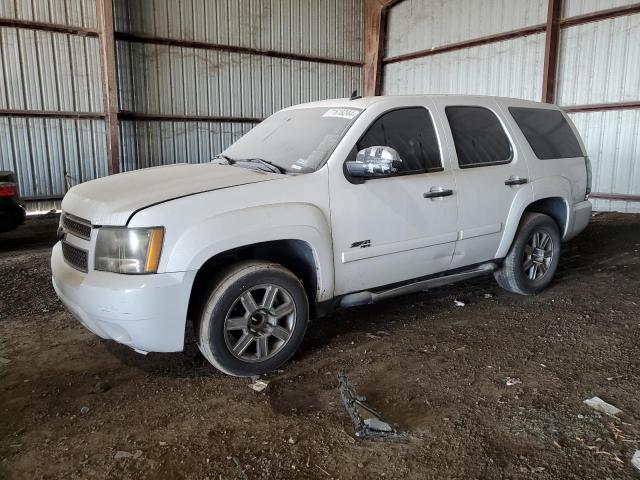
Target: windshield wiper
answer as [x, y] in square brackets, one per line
[272, 167]
[229, 160]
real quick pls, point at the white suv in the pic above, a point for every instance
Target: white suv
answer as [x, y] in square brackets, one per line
[323, 205]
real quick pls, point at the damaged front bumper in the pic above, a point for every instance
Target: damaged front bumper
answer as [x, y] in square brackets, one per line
[146, 312]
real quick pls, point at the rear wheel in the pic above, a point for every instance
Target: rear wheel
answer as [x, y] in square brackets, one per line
[254, 319]
[533, 258]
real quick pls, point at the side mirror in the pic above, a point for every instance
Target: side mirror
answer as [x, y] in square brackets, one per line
[375, 162]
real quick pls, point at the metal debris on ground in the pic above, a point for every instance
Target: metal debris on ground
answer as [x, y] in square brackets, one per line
[377, 425]
[511, 381]
[635, 460]
[122, 454]
[601, 406]
[459, 303]
[101, 387]
[258, 385]
[374, 426]
[243, 472]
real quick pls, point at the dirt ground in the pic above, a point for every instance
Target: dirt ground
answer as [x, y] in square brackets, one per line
[438, 370]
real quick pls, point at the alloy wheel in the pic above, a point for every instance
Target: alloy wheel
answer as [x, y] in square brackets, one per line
[259, 323]
[538, 255]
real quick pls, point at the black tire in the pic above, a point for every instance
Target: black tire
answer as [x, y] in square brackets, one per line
[218, 331]
[517, 271]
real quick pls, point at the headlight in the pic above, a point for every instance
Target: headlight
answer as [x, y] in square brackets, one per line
[128, 250]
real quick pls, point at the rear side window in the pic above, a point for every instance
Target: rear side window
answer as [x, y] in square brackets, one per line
[478, 136]
[411, 132]
[548, 132]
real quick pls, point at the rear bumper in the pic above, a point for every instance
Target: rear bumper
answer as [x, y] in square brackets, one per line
[581, 217]
[145, 312]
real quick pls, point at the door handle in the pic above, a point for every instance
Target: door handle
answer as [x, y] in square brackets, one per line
[515, 180]
[438, 192]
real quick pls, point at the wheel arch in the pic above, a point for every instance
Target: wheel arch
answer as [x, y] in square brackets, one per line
[296, 255]
[555, 207]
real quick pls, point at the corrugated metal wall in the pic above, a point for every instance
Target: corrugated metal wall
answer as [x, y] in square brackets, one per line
[328, 28]
[572, 8]
[50, 154]
[613, 143]
[46, 71]
[598, 64]
[50, 71]
[206, 82]
[176, 80]
[150, 144]
[509, 68]
[415, 25]
[79, 13]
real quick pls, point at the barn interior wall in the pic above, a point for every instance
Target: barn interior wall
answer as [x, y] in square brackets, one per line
[597, 65]
[178, 102]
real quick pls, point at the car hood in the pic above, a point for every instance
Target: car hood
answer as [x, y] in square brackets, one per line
[112, 200]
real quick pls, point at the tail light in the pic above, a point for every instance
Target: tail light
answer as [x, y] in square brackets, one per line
[9, 190]
[589, 176]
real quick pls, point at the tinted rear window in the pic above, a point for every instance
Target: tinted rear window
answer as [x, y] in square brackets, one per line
[548, 132]
[479, 137]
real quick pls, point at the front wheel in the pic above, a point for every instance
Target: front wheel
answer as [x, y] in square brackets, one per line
[533, 258]
[254, 319]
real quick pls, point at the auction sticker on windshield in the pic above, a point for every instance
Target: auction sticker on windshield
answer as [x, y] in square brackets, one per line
[349, 113]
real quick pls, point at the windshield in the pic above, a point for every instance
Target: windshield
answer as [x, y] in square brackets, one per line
[298, 140]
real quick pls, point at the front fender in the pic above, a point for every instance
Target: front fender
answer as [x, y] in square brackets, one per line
[238, 228]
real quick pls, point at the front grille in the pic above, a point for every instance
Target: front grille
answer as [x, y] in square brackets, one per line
[76, 257]
[76, 226]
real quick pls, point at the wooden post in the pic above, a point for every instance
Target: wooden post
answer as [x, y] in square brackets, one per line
[374, 37]
[551, 51]
[109, 81]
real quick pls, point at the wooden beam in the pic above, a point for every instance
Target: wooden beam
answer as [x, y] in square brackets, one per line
[48, 27]
[601, 15]
[51, 114]
[521, 32]
[174, 42]
[551, 48]
[155, 117]
[622, 197]
[601, 107]
[476, 42]
[109, 82]
[374, 37]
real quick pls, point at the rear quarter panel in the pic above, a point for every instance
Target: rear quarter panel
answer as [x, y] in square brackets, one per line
[565, 178]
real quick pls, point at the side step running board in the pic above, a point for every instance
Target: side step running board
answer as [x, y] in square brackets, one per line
[364, 298]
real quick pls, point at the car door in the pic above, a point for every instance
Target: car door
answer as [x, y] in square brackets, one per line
[491, 175]
[385, 230]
